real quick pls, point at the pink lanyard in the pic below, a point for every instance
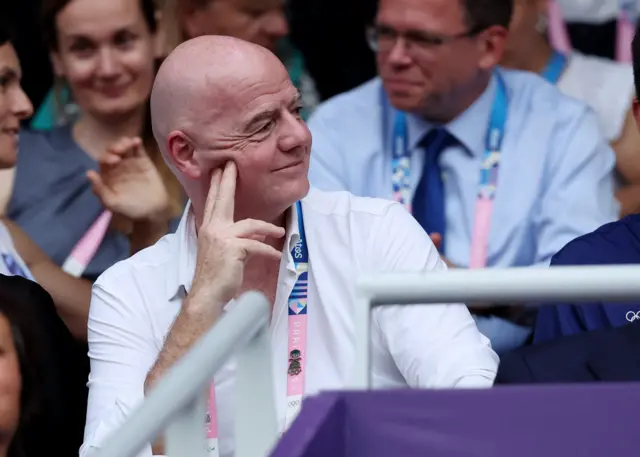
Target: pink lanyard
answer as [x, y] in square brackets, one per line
[86, 248]
[559, 36]
[297, 343]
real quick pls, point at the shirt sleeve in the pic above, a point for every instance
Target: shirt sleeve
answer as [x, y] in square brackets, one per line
[327, 168]
[578, 192]
[562, 319]
[122, 350]
[436, 346]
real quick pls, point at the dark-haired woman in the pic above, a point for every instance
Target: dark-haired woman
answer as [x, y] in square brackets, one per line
[70, 191]
[42, 391]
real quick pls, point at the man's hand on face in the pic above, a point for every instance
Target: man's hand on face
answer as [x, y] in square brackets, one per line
[224, 246]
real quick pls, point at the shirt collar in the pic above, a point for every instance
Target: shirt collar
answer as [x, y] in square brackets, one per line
[184, 257]
[469, 128]
[293, 230]
[183, 261]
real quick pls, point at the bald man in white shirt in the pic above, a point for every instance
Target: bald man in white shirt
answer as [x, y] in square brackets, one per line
[233, 135]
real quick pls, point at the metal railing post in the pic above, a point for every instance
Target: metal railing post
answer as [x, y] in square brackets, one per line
[507, 286]
[179, 395]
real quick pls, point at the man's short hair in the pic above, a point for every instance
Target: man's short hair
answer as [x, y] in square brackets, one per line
[482, 14]
[635, 51]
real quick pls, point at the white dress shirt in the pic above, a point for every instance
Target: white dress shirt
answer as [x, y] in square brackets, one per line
[590, 11]
[135, 302]
[603, 84]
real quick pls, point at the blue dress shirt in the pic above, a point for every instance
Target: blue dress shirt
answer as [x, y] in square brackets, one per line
[555, 183]
[616, 243]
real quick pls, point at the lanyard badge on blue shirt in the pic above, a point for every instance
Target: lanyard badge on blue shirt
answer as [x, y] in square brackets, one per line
[488, 179]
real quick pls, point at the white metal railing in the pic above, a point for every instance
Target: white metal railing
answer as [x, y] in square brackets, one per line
[495, 286]
[243, 327]
[177, 403]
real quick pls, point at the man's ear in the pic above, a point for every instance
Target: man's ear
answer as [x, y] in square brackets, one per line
[181, 154]
[491, 43]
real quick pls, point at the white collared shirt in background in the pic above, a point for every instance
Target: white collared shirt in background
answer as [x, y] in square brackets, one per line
[589, 11]
[135, 302]
[603, 84]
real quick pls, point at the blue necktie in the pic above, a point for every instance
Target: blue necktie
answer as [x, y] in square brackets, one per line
[428, 204]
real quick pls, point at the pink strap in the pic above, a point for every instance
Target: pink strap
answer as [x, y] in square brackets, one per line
[297, 362]
[558, 35]
[296, 347]
[481, 230]
[624, 39]
[295, 383]
[212, 424]
[84, 251]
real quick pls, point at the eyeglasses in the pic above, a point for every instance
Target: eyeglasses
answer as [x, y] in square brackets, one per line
[383, 39]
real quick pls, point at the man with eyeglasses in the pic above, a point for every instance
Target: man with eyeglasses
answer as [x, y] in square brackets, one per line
[498, 166]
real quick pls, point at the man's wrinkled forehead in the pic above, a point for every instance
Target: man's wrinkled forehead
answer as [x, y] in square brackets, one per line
[287, 96]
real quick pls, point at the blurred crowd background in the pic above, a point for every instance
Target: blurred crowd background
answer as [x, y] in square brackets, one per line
[329, 36]
[77, 124]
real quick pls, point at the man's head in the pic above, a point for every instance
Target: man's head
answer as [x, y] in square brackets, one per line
[261, 22]
[433, 55]
[218, 99]
[105, 51]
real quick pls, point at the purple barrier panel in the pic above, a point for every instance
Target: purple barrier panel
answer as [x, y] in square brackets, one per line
[318, 431]
[585, 420]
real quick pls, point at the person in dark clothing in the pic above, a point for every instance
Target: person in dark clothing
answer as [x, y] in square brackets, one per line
[51, 378]
[615, 243]
[611, 354]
